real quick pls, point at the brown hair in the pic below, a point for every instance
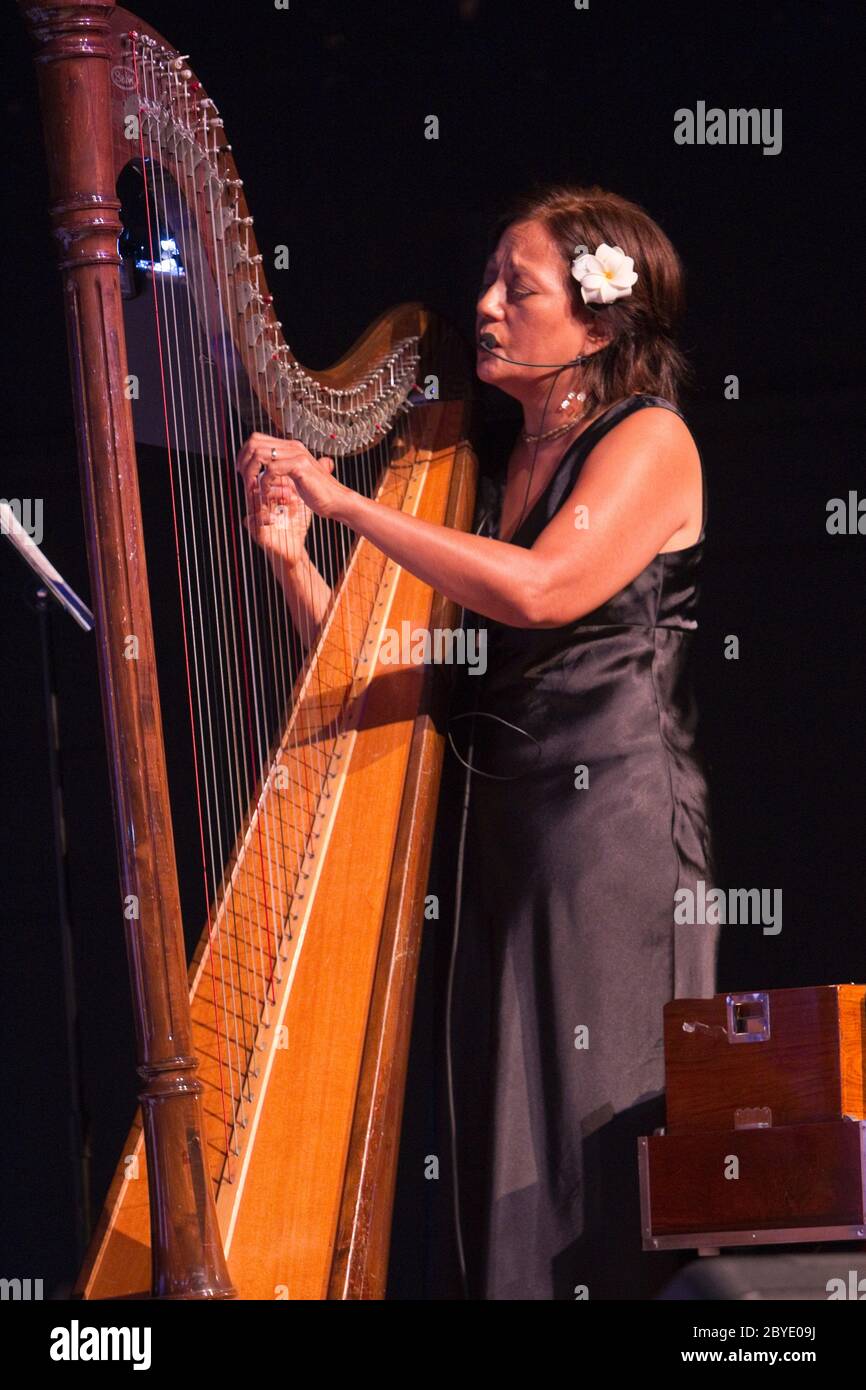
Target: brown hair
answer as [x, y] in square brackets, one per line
[642, 355]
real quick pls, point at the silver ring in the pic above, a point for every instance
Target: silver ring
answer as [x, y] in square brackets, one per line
[273, 454]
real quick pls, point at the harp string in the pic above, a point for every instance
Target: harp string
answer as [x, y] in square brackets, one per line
[234, 619]
[236, 941]
[256, 738]
[146, 88]
[252, 1008]
[212, 524]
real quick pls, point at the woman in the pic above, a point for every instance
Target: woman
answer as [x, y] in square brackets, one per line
[588, 805]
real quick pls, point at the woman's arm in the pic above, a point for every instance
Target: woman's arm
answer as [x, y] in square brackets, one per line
[487, 576]
[634, 488]
[632, 494]
[306, 592]
[282, 535]
[491, 577]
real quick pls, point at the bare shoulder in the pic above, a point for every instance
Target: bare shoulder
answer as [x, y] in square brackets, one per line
[657, 440]
[655, 424]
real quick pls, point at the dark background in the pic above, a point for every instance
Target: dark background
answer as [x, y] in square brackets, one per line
[325, 107]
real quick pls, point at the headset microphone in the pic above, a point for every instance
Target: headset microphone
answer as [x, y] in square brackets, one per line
[488, 342]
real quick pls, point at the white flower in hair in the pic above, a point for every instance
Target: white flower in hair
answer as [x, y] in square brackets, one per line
[604, 277]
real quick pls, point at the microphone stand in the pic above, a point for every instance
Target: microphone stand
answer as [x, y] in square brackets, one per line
[52, 584]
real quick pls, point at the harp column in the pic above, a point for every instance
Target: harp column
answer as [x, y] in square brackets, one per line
[73, 63]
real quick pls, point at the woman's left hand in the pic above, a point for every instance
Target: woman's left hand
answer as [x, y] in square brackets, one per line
[289, 469]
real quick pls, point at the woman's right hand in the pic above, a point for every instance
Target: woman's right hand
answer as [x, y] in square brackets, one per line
[280, 529]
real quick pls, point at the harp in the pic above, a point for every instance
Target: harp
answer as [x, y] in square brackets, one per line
[272, 1056]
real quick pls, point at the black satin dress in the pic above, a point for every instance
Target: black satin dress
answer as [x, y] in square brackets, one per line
[567, 948]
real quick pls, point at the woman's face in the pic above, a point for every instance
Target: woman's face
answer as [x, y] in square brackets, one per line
[524, 303]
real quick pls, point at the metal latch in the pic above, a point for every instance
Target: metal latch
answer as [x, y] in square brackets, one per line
[748, 1017]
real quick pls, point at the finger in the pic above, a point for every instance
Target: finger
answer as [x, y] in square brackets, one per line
[258, 506]
[247, 452]
[259, 467]
[249, 456]
[279, 467]
[251, 476]
[282, 483]
[279, 497]
[257, 470]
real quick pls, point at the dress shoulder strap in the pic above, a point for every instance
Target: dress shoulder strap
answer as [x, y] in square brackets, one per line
[618, 411]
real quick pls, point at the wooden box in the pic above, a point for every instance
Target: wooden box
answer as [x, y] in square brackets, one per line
[790, 1184]
[765, 1140]
[796, 1054]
